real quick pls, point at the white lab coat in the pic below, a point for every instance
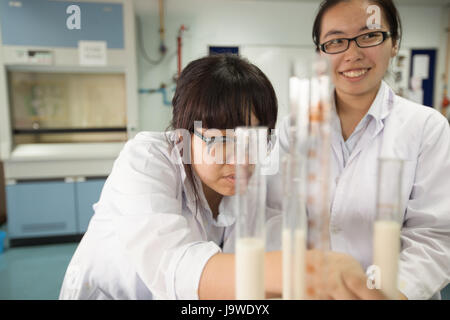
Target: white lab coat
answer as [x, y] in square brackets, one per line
[419, 135]
[146, 240]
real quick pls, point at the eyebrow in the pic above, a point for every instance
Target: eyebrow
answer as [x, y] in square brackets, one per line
[339, 32]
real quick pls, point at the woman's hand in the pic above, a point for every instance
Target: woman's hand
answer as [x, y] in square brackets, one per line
[337, 276]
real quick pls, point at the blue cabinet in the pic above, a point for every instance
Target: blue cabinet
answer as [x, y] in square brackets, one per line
[41, 209]
[52, 208]
[87, 193]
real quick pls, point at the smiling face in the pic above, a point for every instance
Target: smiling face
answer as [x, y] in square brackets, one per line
[357, 71]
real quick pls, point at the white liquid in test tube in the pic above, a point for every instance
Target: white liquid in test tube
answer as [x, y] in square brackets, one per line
[250, 201]
[294, 185]
[386, 231]
[386, 252]
[294, 264]
[250, 269]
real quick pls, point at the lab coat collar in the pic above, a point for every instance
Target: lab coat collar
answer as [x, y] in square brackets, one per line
[176, 159]
[226, 216]
[379, 110]
[382, 106]
[376, 108]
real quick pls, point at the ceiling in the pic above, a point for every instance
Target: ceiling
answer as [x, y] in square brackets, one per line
[398, 2]
[143, 7]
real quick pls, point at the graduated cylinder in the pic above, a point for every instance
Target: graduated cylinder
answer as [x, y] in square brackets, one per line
[250, 201]
[386, 235]
[307, 170]
[294, 233]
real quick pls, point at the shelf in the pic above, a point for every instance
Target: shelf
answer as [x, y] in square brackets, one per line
[68, 130]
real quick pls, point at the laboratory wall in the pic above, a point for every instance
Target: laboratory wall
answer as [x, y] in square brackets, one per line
[251, 23]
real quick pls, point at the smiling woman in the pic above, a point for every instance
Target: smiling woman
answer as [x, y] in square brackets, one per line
[360, 56]
[370, 122]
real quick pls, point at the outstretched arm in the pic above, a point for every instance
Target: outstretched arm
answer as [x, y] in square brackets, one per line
[218, 277]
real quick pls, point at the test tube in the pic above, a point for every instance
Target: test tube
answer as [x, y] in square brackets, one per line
[318, 173]
[386, 234]
[294, 232]
[294, 199]
[250, 201]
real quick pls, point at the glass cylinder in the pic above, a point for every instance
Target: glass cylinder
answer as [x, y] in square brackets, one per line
[294, 233]
[250, 201]
[386, 234]
[318, 175]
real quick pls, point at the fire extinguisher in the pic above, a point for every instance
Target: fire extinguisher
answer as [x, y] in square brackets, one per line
[445, 99]
[445, 104]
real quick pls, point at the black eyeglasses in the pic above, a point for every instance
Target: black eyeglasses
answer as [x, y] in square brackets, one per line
[366, 40]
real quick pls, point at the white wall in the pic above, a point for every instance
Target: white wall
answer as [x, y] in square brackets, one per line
[250, 23]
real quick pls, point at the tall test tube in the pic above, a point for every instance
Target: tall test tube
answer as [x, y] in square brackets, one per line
[386, 237]
[318, 174]
[294, 182]
[251, 151]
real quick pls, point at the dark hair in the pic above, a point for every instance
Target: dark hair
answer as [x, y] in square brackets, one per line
[389, 10]
[222, 91]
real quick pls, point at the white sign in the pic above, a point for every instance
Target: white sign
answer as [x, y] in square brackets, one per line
[421, 66]
[92, 53]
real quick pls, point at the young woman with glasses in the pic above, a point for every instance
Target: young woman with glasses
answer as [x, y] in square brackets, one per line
[365, 114]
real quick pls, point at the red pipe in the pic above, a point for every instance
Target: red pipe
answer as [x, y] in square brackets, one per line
[180, 31]
[179, 55]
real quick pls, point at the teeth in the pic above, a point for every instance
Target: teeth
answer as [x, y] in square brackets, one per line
[355, 73]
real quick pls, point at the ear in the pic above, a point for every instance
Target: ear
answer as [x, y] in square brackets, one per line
[394, 50]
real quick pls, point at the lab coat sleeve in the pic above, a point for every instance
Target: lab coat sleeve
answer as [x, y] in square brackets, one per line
[424, 266]
[167, 252]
